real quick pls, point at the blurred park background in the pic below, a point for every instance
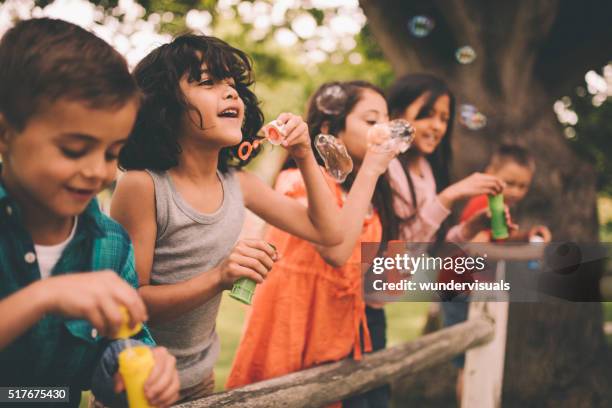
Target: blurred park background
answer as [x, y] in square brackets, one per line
[537, 73]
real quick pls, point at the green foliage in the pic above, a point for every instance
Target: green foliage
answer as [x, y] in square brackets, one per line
[593, 138]
[282, 83]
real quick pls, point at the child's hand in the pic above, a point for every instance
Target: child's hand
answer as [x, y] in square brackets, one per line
[474, 185]
[481, 220]
[376, 160]
[297, 139]
[250, 258]
[162, 386]
[540, 231]
[95, 296]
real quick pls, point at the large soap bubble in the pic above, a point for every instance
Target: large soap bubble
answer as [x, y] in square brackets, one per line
[331, 100]
[337, 161]
[396, 135]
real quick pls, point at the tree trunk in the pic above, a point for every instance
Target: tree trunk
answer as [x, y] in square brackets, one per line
[529, 54]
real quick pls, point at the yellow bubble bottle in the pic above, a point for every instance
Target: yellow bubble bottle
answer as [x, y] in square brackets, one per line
[125, 332]
[135, 365]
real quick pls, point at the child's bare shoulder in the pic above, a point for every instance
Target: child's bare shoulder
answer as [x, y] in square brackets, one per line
[136, 181]
[135, 189]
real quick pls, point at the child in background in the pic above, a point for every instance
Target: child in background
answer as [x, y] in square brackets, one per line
[183, 198]
[419, 178]
[310, 310]
[67, 105]
[515, 166]
[423, 195]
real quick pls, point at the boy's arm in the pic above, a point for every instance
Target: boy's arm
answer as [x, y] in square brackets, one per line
[94, 296]
[22, 310]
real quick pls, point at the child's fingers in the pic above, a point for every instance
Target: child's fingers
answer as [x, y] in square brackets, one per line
[112, 315]
[292, 124]
[126, 295]
[161, 375]
[511, 225]
[133, 304]
[262, 245]
[284, 117]
[170, 394]
[119, 385]
[300, 133]
[263, 257]
[251, 263]
[239, 271]
[97, 320]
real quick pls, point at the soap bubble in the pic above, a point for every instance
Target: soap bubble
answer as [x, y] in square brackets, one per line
[337, 161]
[331, 100]
[274, 132]
[478, 121]
[471, 118]
[420, 26]
[396, 135]
[465, 55]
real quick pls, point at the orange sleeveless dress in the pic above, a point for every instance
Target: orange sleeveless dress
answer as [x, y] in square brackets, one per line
[306, 312]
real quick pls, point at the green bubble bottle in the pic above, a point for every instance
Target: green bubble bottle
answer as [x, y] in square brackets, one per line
[244, 288]
[499, 228]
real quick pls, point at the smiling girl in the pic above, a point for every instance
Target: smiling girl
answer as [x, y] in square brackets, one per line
[183, 198]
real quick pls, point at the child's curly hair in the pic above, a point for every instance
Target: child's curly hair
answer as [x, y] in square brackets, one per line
[153, 143]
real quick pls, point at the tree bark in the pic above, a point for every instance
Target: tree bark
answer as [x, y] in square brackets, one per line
[529, 54]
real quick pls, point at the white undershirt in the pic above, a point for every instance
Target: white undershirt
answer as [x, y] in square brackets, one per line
[48, 255]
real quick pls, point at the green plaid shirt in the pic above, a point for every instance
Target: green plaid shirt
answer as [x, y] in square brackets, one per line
[57, 351]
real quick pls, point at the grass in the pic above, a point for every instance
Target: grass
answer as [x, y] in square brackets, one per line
[404, 320]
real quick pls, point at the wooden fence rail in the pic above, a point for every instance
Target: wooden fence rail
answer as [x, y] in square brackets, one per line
[332, 382]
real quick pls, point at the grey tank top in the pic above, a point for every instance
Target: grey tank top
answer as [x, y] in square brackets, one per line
[190, 243]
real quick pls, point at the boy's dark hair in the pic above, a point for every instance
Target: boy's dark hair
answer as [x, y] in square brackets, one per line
[43, 60]
[382, 199]
[153, 143]
[512, 153]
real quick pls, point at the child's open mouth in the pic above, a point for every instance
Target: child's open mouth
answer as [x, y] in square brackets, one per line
[229, 113]
[81, 193]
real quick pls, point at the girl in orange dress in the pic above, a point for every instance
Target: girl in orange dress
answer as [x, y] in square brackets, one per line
[310, 310]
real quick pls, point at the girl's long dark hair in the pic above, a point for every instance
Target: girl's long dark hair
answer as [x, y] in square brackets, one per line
[382, 200]
[402, 93]
[153, 143]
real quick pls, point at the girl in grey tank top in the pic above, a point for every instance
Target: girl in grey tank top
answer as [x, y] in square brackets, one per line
[196, 109]
[187, 243]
